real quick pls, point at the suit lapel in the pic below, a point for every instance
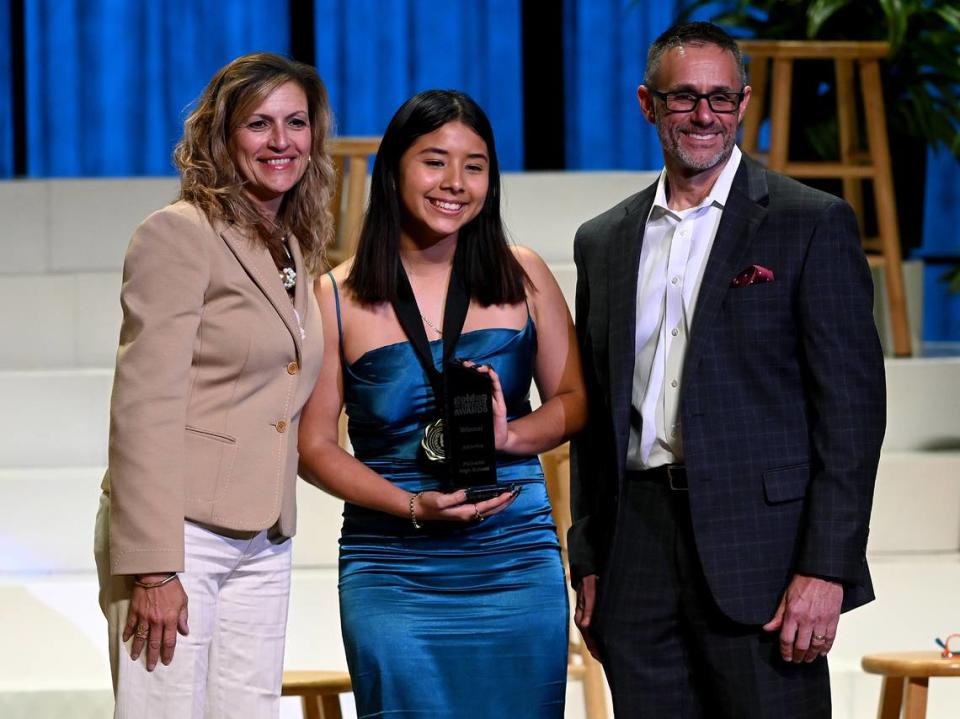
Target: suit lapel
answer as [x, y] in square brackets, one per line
[259, 265]
[742, 216]
[623, 264]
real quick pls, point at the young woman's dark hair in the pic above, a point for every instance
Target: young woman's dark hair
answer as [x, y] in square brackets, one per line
[493, 275]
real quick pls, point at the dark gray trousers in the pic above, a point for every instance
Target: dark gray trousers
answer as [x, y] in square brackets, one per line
[668, 651]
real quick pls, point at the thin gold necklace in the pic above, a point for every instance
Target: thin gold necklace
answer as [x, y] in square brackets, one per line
[431, 325]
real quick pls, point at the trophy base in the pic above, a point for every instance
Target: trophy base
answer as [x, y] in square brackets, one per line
[488, 491]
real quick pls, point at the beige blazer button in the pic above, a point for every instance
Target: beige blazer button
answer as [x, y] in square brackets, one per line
[282, 426]
[293, 368]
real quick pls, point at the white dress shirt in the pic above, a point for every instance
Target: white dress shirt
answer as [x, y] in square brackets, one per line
[676, 245]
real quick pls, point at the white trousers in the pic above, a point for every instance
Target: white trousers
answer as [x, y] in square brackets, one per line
[231, 663]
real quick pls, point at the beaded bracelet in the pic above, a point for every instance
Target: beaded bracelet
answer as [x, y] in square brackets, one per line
[413, 513]
[154, 585]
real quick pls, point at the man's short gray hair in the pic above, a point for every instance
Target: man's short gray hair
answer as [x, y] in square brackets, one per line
[696, 34]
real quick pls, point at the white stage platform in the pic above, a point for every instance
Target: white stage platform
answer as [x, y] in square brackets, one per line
[60, 252]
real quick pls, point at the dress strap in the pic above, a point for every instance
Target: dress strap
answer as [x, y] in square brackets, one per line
[336, 299]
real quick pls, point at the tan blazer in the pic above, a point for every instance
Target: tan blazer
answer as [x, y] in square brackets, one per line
[213, 368]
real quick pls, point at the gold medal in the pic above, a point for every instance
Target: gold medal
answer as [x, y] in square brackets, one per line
[432, 441]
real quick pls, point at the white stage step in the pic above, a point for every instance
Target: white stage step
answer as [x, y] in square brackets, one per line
[917, 602]
[59, 418]
[56, 418]
[84, 225]
[73, 321]
[916, 506]
[34, 500]
[75, 225]
[55, 662]
[923, 404]
[74, 318]
[65, 241]
[59, 320]
[915, 511]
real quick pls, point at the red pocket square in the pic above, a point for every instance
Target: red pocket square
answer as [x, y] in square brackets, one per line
[753, 275]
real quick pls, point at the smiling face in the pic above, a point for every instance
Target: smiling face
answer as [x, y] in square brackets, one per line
[271, 146]
[444, 176]
[701, 140]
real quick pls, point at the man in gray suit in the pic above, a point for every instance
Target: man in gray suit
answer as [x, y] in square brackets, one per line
[721, 495]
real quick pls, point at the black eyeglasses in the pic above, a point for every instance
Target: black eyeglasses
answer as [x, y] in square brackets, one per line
[719, 102]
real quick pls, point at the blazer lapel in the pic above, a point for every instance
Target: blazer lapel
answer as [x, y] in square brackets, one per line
[742, 216]
[623, 264]
[303, 283]
[259, 265]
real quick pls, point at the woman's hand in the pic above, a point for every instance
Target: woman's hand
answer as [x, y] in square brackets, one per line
[453, 507]
[154, 618]
[501, 429]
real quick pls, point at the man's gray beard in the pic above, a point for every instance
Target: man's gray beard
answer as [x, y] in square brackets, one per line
[672, 147]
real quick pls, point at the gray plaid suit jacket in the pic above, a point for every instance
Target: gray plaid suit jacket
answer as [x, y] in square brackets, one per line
[782, 394]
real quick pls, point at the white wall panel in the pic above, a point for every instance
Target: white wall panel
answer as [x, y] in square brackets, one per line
[23, 229]
[91, 221]
[542, 210]
[55, 418]
[923, 404]
[97, 315]
[916, 505]
[37, 328]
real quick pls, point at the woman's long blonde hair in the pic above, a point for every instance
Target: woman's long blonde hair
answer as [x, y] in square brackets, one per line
[210, 180]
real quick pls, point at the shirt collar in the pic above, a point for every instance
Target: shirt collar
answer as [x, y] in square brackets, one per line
[718, 193]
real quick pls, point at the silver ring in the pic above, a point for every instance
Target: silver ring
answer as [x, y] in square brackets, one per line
[477, 515]
[819, 637]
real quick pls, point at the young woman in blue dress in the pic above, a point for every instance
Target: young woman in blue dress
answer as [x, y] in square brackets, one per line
[449, 607]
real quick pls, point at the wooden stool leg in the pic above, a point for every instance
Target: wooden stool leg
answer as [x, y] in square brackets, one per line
[754, 114]
[334, 251]
[330, 707]
[916, 699]
[849, 137]
[781, 90]
[355, 202]
[594, 695]
[311, 706]
[891, 697]
[886, 203]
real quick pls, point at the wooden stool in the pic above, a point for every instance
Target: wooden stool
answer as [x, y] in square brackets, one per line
[319, 691]
[580, 663]
[911, 670]
[854, 165]
[351, 157]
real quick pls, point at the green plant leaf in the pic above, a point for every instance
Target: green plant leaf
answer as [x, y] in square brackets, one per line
[819, 12]
[950, 15]
[952, 278]
[898, 18]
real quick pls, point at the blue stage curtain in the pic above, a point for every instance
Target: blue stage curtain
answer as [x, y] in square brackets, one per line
[941, 238]
[109, 82]
[605, 50]
[6, 93]
[374, 54]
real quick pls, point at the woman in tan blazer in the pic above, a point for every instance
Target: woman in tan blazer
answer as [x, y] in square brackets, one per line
[220, 346]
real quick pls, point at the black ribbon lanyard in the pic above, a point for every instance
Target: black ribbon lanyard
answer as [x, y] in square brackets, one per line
[454, 313]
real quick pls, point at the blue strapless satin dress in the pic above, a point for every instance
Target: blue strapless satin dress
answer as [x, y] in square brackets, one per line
[466, 621]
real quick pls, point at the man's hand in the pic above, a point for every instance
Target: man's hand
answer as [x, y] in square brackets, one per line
[807, 618]
[586, 600]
